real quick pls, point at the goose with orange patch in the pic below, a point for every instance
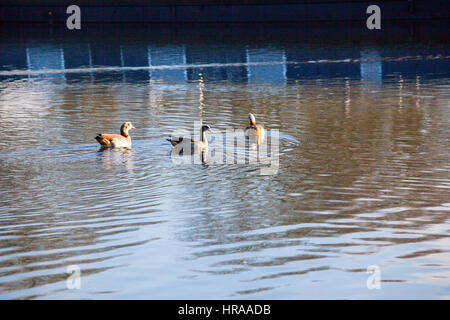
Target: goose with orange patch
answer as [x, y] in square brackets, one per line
[254, 131]
[122, 140]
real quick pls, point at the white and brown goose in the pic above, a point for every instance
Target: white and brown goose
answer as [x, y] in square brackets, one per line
[194, 145]
[122, 140]
[254, 131]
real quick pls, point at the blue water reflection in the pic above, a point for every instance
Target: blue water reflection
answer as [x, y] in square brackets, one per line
[272, 73]
[240, 61]
[167, 56]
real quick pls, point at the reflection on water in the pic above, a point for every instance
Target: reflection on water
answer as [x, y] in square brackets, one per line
[363, 176]
[116, 157]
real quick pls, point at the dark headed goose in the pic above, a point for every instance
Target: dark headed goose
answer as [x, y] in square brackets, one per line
[254, 130]
[122, 140]
[193, 144]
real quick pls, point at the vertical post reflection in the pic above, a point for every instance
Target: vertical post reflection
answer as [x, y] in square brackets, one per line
[348, 99]
[167, 56]
[371, 67]
[50, 57]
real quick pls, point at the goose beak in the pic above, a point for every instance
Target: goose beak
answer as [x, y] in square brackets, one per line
[132, 127]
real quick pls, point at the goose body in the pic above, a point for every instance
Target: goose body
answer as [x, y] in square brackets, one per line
[122, 140]
[194, 145]
[254, 131]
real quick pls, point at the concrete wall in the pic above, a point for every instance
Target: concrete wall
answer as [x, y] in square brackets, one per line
[135, 11]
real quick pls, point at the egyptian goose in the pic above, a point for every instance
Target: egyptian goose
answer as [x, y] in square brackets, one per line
[254, 130]
[194, 145]
[122, 140]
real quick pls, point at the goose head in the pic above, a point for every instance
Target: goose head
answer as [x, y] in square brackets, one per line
[251, 119]
[205, 129]
[125, 128]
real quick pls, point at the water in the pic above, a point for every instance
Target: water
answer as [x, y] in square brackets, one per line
[363, 177]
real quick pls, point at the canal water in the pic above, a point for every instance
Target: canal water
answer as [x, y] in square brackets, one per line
[358, 207]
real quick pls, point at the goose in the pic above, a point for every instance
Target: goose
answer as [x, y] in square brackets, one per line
[194, 145]
[254, 130]
[122, 140]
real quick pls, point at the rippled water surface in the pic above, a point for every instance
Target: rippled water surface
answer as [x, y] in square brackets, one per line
[363, 178]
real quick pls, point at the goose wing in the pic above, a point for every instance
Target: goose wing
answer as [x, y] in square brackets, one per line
[105, 138]
[177, 140]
